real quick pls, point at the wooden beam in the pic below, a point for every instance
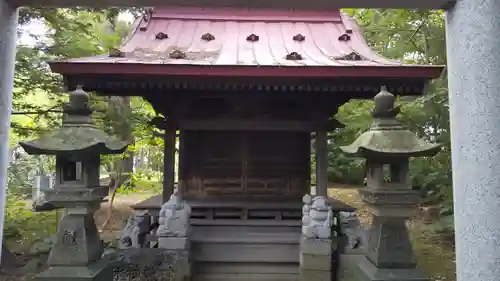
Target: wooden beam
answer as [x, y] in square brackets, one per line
[168, 164]
[182, 163]
[246, 125]
[314, 4]
[321, 163]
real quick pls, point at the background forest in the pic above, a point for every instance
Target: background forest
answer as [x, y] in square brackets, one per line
[413, 36]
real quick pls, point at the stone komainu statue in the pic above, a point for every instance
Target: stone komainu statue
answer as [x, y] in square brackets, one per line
[174, 217]
[134, 235]
[352, 229]
[317, 217]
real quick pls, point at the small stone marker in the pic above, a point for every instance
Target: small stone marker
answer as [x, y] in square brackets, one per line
[40, 186]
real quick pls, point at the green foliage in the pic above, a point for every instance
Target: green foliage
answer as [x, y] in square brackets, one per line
[413, 36]
[39, 94]
[130, 185]
[23, 225]
[143, 180]
[149, 186]
[20, 222]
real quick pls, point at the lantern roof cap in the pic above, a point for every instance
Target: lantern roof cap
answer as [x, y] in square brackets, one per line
[387, 137]
[78, 134]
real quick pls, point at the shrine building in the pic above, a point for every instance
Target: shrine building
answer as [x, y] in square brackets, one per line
[247, 93]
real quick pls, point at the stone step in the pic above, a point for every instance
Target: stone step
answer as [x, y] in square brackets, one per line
[245, 252]
[237, 222]
[245, 268]
[254, 237]
[245, 244]
[246, 277]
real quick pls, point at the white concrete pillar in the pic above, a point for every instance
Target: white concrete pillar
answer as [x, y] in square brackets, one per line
[473, 32]
[8, 23]
[321, 144]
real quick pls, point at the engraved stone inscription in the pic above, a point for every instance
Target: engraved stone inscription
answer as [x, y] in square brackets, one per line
[69, 238]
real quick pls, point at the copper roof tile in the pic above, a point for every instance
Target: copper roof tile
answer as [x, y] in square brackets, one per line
[185, 28]
[230, 28]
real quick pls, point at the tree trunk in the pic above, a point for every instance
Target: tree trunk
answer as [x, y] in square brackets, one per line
[120, 109]
[126, 133]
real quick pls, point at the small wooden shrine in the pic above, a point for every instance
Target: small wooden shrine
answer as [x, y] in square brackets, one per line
[246, 89]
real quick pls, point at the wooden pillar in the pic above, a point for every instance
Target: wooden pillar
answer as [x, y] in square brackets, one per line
[321, 163]
[181, 177]
[168, 163]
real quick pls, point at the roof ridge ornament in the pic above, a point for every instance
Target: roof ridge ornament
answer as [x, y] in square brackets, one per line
[177, 54]
[299, 38]
[345, 37]
[146, 18]
[161, 36]
[352, 56]
[253, 38]
[116, 53]
[148, 14]
[293, 56]
[208, 37]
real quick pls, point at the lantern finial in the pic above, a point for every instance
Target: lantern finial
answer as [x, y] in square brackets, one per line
[384, 105]
[78, 103]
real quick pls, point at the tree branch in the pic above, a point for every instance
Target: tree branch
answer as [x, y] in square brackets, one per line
[39, 112]
[19, 127]
[35, 112]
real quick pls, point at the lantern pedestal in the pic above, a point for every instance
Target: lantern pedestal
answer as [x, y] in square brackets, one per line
[96, 271]
[76, 253]
[77, 241]
[387, 147]
[390, 255]
[368, 271]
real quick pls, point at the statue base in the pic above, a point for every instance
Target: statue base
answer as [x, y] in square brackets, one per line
[307, 275]
[367, 271]
[315, 259]
[174, 243]
[97, 271]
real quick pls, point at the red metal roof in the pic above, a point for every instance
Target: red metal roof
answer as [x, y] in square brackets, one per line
[185, 41]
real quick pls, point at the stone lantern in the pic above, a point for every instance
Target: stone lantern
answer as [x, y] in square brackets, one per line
[77, 146]
[387, 147]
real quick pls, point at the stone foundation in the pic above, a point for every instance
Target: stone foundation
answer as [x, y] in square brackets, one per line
[315, 259]
[97, 271]
[369, 272]
[353, 248]
[149, 265]
[348, 269]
